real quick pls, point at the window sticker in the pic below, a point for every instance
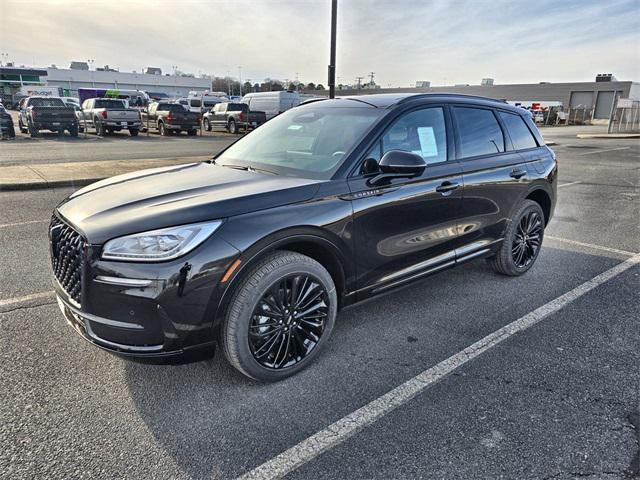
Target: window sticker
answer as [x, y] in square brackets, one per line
[428, 145]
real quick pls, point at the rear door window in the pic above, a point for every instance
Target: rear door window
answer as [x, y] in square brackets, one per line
[479, 132]
[521, 136]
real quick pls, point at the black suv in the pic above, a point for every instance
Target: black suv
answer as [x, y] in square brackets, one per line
[325, 205]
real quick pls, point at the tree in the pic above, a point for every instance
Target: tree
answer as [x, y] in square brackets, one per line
[247, 87]
[256, 87]
[311, 86]
[319, 87]
[277, 86]
[292, 86]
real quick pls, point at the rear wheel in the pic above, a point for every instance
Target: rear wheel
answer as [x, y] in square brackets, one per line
[100, 130]
[280, 316]
[73, 130]
[162, 130]
[192, 133]
[133, 132]
[21, 127]
[206, 124]
[33, 131]
[523, 239]
[232, 126]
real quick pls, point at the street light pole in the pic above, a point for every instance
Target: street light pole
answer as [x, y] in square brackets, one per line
[332, 58]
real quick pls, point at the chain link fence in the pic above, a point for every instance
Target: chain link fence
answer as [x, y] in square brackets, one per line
[579, 116]
[625, 119]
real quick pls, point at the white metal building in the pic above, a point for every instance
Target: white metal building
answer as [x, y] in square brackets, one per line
[174, 86]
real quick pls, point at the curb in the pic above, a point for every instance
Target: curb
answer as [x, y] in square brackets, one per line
[15, 187]
[607, 135]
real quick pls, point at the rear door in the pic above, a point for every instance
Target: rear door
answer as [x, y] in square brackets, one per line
[495, 177]
[407, 227]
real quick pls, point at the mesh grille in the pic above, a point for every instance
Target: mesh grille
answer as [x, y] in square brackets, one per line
[67, 257]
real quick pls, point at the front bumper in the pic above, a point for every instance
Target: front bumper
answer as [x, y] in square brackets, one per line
[150, 309]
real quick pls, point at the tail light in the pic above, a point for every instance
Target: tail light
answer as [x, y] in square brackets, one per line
[199, 118]
[33, 114]
[170, 118]
[104, 114]
[241, 117]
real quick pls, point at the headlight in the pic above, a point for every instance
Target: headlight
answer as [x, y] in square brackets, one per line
[159, 245]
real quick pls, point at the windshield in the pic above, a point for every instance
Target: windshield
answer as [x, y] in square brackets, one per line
[309, 141]
[103, 103]
[46, 102]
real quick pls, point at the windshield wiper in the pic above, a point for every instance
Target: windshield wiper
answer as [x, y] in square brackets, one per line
[245, 168]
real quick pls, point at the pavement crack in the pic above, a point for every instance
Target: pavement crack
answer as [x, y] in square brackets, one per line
[24, 307]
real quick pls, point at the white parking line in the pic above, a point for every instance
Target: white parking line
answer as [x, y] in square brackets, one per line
[602, 151]
[26, 298]
[569, 184]
[15, 224]
[589, 245]
[344, 428]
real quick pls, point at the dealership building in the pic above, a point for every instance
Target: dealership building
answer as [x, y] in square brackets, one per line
[595, 97]
[14, 79]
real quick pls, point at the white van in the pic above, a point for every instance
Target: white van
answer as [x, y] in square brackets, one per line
[271, 103]
[192, 104]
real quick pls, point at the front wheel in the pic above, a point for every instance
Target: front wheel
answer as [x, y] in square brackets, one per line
[280, 316]
[522, 241]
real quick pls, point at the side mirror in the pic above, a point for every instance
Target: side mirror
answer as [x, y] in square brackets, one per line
[399, 164]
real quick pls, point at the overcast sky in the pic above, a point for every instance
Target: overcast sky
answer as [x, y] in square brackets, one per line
[444, 41]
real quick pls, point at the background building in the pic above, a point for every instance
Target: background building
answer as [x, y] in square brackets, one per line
[595, 97]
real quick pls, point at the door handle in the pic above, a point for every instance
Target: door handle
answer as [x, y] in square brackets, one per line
[445, 188]
[517, 173]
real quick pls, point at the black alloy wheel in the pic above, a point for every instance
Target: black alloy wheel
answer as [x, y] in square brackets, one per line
[527, 239]
[288, 321]
[522, 241]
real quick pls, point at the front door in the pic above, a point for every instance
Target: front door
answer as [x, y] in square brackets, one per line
[407, 227]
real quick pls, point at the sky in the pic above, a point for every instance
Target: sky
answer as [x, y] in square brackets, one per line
[443, 41]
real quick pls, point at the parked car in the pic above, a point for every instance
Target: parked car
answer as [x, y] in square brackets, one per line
[71, 101]
[328, 204]
[46, 113]
[7, 129]
[108, 115]
[193, 104]
[232, 117]
[167, 118]
[271, 103]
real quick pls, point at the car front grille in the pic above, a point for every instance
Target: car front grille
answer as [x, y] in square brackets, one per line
[67, 257]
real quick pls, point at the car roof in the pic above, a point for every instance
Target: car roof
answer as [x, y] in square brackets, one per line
[389, 100]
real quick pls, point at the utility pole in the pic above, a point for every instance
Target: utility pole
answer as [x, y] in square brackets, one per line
[359, 80]
[332, 56]
[371, 74]
[240, 77]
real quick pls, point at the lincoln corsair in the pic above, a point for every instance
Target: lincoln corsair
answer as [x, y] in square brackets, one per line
[327, 204]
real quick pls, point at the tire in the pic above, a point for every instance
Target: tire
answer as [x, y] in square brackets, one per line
[192, 133]
[73, 130]
[233, 128]
[33, 131]
[133, 132]
[21, 127]
[522, 241]
[161, 130]
[100, 130]
[206, 124]
[299, 333]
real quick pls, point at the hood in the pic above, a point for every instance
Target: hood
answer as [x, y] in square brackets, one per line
[179, 195]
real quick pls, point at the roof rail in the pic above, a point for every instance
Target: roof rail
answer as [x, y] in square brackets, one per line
[435, 94]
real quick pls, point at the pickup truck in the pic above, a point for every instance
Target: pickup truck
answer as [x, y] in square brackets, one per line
[108, 115]
[167, 118]
[46, 113]
[233, 117]
[6, 124]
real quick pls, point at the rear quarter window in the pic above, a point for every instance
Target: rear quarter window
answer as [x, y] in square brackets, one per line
[521, 136]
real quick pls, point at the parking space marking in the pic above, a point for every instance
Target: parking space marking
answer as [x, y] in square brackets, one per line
[603, 151]
[569, 184]
[34, 296]
[590, 245]
[347, 426]
[15, 224]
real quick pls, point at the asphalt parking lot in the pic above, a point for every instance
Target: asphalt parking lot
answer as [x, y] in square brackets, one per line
[559, 399]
